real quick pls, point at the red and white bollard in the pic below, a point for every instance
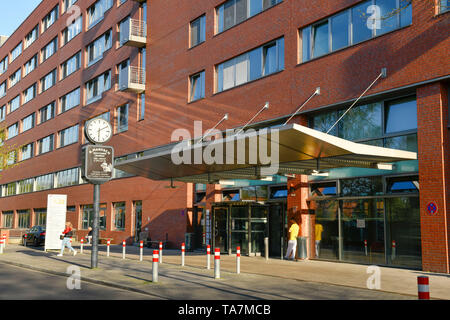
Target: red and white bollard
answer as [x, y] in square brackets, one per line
[216, 263]
[4, 241]
[1, 245]
[81, 245]
[25, 240]
[108, 243]
[155, 266]
[141, 249]
[124, 244]
[182, 254]
[160, 252]
[238, 260]
[365, 246]
[394, 249]
[208, 257]
[424, 288]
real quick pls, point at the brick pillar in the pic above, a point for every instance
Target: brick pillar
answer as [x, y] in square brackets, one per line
[433, 155]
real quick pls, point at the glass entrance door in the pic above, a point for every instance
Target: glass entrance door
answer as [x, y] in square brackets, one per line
[277, 218]
[221, 229]
[258, 227]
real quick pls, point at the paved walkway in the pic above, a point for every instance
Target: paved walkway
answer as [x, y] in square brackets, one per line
[133, 274]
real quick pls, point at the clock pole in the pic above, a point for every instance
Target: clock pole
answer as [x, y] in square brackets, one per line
[95, 227]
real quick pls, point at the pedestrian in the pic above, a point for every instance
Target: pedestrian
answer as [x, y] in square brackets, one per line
[65, 237]
[292, 243]
[89, 235]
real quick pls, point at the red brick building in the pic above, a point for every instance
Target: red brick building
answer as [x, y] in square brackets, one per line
[203, 59]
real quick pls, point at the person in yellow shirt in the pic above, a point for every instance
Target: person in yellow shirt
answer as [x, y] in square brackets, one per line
[292, 243]
[318, 233]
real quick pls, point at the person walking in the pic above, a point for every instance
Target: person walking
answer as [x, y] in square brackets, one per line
[89, 235]
[66, 235]
[292, 243]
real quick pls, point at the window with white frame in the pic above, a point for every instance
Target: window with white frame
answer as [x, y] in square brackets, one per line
[123, 32]
[68, 136]
[24, 219]
[67, 4]
[71, 65]
[11, 158]
[11, 189]
[2, 112]
[29, 93]
[49, 19]
[30, 65]
[96, 49]
[14, 104]
[31, 37]
[16, 52]
[70, 100]
[71, 31]
[46, 113]
[49, 49]
[250, 66]
[26, 186]
[3, 89]
[45, 144]
[4, 65]
[28, 122]
[27, 151]
[98, 85]
[48, 81]
[14, 78]
[8, 217]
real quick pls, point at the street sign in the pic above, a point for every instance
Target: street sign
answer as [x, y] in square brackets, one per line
[432, 208]
[97, 163]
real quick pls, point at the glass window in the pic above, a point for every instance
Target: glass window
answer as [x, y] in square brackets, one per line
[48, 81]
[365, 186]
[30, 65]
[320, 39]
[14, 104]
[141, 106]
[401, 115]
[407, 143]
[71, 65]
[26, 186]
[278, 192]
[230, 195]
[97, 11]
[306, 44]
[13, 130]
[3, 89]
[28, 122]
[30, 93]
[340, 31]
[15, 77]
[50, 19]
[71, 31]
[2, 113]
[70, 100]
[27, 151]
[49, 49]
[360, 29]
[389, 16]
[68, 136]
[402, 185]
[24, 219]
[323, 189]
[40, 216]
[31, 37]
[197, 83]
[88, 216]
[16, 52]
[326, 229]
[48, 112]
[11, 189]
[67, 178]
[361, 122]
[119, 215]
[68, 4]
[96, 49]
[4, 65]
[98, 85]
[124, 26]
[8, 217]
[45, 144]
[44, 182]
[323, 122]
[444, 5]
[198, 32]
[255, 193]
[122, 118]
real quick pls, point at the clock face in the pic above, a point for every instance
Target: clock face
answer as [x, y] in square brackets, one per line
[98, 131]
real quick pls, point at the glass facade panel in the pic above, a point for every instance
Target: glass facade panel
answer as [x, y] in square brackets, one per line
[401, 115]
[340, 31]
[320, 39]
[327, 229]
[389, 16]
[408, 143]
[362, 122]
[8, 217]
[360, 29]
[40, 217]
[119, 216]
[364, 186]
[24, 219]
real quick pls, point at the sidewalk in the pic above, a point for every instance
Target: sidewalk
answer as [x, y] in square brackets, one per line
[131, 274]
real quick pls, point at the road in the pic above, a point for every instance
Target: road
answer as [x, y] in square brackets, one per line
[23, 284]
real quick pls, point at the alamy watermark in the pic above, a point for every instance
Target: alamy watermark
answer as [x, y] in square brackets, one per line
[74, 280]
[374, 281]
[253, 147]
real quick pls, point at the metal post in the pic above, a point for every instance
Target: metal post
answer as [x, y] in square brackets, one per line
[141, 247]
[81, 246]
[108, 243]
[238, 260]
[182, 254]
[124, 244]
[216, 263]
[155, 266]
[394, 247]
[282, 247]
[266, 248]
[160, 252]
[365, 246]
[208, 257]
[94, 251]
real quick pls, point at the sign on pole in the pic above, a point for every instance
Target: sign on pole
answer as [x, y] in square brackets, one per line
[56, 220]
[97, 163]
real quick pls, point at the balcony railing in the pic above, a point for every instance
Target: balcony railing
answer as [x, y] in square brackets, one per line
[132, 79]
[134, 33]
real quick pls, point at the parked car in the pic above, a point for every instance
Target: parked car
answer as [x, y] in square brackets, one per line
[35, 236]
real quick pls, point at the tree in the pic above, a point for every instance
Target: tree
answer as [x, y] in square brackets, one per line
[8, 152]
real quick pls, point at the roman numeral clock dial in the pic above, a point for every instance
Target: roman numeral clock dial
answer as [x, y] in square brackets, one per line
[98, 131]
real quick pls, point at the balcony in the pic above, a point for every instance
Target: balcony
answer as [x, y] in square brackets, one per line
[134, 33]
[132, 79]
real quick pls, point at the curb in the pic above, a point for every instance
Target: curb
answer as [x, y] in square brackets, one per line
[86, 279]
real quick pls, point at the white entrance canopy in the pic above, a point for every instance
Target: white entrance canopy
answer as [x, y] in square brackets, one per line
[301, 150]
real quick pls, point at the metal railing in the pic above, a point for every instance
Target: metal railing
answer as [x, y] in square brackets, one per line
[138, 28]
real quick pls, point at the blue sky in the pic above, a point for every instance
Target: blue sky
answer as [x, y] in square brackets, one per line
[13, 13]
